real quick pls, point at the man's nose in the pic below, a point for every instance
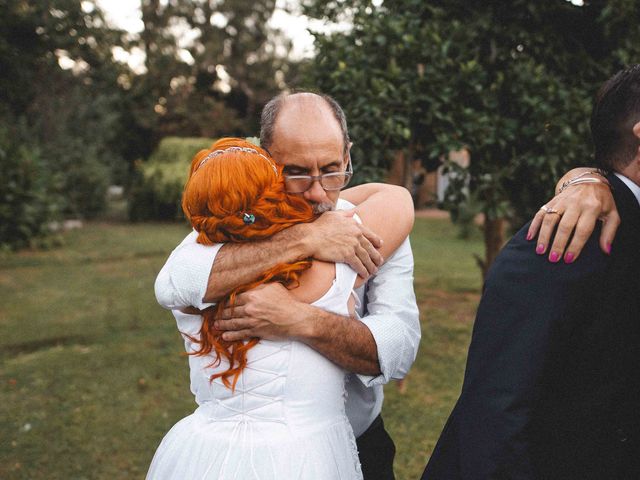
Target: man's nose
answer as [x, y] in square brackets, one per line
[315, 193]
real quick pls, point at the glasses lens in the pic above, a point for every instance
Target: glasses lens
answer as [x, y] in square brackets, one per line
[329, 181]
[334, 181]
[297, 184]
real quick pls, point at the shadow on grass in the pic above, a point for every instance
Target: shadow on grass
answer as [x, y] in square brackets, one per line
[43, 344]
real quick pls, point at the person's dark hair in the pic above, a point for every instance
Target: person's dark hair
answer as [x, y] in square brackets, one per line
[273, 106]
[616, 110]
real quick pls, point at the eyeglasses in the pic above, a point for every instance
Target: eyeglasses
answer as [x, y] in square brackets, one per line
[328, 181]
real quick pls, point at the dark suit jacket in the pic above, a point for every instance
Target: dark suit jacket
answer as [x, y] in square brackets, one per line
[552, 383]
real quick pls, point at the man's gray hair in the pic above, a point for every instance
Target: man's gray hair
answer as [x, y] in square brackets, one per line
[273, 106]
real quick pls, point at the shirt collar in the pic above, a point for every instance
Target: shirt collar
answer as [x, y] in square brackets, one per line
[634, 187]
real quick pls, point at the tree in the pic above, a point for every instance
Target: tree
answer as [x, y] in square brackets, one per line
[210, 66]
[60, 103]
[509, 81]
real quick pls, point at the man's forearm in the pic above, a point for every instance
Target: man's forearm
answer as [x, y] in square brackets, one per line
[241, 263]
[345, 341]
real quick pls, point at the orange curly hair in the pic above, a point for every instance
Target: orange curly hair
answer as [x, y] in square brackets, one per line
[232, 178]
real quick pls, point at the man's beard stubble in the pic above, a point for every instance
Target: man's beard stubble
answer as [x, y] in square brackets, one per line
[319, 208]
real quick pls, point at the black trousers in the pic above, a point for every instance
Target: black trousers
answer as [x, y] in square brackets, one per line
[376, 451]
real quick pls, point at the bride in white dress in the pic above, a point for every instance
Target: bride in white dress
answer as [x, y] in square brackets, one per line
[284, 415]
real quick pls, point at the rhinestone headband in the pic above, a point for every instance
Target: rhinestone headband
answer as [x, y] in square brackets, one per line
[215, 153]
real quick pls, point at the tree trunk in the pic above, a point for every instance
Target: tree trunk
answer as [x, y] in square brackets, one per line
[493, 230]
[407, 171]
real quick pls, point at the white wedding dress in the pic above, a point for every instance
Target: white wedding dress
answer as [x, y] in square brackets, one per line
[286, 419]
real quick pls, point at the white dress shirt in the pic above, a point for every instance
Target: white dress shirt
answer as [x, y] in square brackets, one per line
[634, 187]
[386, 305]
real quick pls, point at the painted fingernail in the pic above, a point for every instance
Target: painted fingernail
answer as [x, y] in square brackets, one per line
[554, 257]
[609, 248]
[569, 257]
[529, 236]
[540, 249]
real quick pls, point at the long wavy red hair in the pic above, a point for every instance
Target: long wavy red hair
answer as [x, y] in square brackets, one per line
[227, 181]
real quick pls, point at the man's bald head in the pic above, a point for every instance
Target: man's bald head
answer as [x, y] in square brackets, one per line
[287, 110]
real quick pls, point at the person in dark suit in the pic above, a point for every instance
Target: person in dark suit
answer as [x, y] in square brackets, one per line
[552, 383]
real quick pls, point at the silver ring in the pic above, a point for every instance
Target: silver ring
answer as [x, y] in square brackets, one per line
[546, 209]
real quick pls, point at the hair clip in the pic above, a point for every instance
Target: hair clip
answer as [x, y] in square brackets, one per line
[248, 218]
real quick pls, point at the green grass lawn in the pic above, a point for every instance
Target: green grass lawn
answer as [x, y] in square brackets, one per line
[91, 372]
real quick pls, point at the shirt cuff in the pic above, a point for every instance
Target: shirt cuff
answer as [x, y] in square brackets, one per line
[183, 280]
[378, 330]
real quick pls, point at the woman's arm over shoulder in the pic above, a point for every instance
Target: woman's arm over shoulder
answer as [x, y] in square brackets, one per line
[358, 194]
[385, 209]
[389, 212]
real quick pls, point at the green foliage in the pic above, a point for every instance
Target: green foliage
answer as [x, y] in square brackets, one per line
[27, 204]
[157, 191]
[512, 85]
[178, 149]
[74, 115]
[237, 62]
[92, 117]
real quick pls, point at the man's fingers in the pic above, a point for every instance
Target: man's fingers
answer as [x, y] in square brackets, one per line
[232, 312]
[609, 229]
[235, 323]
[562, 236]
[240, 299]
[372, 251]
[366, 260]
[237, 335]
[373, 238]
[354, 262]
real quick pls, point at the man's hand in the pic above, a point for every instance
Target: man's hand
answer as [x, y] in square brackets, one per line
[578, 207]
[337, 237]
[268, 311]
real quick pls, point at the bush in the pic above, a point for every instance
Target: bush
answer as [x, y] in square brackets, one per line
[157, 189]
[27, 204]
[83, 177]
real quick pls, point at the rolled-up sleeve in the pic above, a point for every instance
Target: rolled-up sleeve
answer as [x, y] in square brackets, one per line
[392, 316]
[182, 281]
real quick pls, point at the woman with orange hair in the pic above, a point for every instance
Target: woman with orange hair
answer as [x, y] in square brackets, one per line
[267, 409]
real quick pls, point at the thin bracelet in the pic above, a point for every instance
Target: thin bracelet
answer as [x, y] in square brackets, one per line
[579, 181]
[597, 171]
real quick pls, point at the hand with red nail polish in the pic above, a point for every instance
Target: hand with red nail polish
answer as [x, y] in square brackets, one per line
[576, 211]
